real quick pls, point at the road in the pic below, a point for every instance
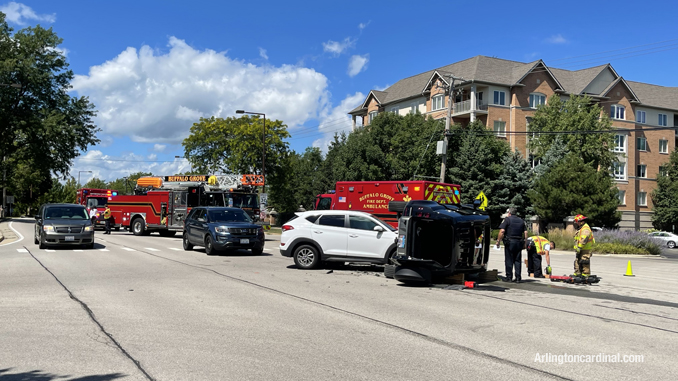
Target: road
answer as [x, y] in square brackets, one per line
[142, 308]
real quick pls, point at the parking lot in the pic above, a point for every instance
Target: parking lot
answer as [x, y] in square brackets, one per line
[143, 308]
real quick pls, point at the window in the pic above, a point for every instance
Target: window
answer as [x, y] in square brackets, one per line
[361, 222]
[663, 146]
[617, 112]
[619, 171]
[622, 197]
[641, 171]
[312, 218]
[663, 120]
[663, 171]
[332, 220]
[500, 98]
[641, 144]
[438, 102]
[394, 110]
[642, 198]
[537, 99]
[414, 108]
[500, 128]
[373, 115]
[620, 143]
[640, 116]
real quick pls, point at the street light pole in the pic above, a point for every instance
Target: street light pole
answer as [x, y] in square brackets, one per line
[263, 145]
[79, 172]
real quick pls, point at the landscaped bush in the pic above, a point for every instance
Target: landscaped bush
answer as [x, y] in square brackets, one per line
[563, 239]
[617, 248]
[639, 240]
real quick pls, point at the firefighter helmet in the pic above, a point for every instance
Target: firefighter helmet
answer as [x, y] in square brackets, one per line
[579, 218]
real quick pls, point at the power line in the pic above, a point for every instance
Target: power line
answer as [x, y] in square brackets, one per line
[614, 50]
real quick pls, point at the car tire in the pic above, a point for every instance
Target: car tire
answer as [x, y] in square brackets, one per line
[187, 244]
[90, 246]
[167, 233]
[138, 226]
[209, 246]
[671, 244]
[257, 251]
[117, 228]
[389, 271]
[306, 257]
[42, 244]
[36, 240]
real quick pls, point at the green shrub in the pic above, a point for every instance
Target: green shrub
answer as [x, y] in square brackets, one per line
[617, 248]
[494, 234]
[563, 239]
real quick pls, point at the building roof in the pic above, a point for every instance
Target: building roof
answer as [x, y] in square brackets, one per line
[510, 73]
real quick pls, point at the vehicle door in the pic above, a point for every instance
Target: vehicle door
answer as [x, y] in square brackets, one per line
[331, 234]
[198, 225]
[364, 241]
[179, 209]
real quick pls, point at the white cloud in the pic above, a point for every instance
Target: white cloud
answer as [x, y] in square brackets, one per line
[109, 168]
[557, 39]
[262, 53]
[363, 25]
[336, 120]
[20, 14]
[357, 64]
[155, 98]
[338, 47]
[159, 147]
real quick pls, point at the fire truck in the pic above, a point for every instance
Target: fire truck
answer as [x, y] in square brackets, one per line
[375, 196]
[160, 204]
[96, 198]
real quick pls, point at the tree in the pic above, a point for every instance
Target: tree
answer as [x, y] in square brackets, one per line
[555, 153]
[126, 185]
[42, 127]
[573, 187]
[475, 162]
[580, 115]
[665, 197]
[96, 183]
[513, 184]
[234, 145]
[307, 181]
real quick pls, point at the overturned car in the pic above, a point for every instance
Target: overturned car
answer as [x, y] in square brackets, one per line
[436, 241]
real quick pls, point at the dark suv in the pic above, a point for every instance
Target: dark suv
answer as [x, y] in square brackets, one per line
[63, 224]
[220, 228]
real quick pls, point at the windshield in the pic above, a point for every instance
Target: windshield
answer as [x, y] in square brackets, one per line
[243, 200]
[66, 212]
[228, 216]
[212, 199]
[97, 202]
[324, 203]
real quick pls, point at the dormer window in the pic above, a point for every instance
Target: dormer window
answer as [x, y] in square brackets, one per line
[438, 102]
[618, 112]
[537, 99]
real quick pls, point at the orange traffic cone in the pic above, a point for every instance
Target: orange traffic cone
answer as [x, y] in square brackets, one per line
[629, 272]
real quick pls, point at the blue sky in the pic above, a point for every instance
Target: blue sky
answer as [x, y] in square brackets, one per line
[152, 68]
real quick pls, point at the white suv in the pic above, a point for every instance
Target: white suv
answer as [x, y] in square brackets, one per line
[337, 236]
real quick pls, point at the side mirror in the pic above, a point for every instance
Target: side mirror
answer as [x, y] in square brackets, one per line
[37, 216]
[378, 228]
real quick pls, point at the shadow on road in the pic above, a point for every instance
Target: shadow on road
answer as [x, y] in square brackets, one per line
[38, 375]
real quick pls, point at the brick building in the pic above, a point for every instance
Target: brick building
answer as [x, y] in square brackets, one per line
[504, 95]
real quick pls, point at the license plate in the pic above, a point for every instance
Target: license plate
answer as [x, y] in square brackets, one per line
[244, 241]
[70, 238]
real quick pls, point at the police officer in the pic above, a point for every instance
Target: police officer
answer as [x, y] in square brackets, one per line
[513, 231]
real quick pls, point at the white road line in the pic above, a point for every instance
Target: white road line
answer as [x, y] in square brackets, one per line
[21, 238]
[50, 250]
[128, 249]
[151, 249]
[22, 250]
[77, 250]
[104, 250]
[174, 248]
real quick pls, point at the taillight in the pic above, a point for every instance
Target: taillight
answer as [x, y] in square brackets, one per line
[287, 227]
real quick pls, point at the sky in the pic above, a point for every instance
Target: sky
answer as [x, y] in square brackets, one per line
[153, 68]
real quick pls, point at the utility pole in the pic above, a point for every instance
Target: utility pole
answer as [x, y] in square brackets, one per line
[443, 166]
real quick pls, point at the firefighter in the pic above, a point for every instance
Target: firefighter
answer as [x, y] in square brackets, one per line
[513, 231]
[583, 242]
[107, 219]
[538, 246]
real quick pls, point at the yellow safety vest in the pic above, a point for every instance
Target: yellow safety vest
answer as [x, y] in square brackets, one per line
[107, 214]
[539, 243]
[583, 239]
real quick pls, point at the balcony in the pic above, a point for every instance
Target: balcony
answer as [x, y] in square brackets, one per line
[465, 107]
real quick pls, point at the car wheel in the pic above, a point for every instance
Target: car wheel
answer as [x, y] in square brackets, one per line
[35, 239]
[671, 244]
[42, 244]
[306, 257]
[187, 244]
[391, 254]
[117, 228]
[138, 226]
[257, 251]
[209, 246]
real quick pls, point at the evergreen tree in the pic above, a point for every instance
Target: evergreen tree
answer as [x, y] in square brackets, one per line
[555, 153]
[572, 187]
[513, 185]
[665, 197]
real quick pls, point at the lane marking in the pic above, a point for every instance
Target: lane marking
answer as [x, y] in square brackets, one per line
[151, 249]
[78, 250]
[128, 249]
[21, 238]
[22, 250]
[104, 250]
[50, 250]
[174, 248]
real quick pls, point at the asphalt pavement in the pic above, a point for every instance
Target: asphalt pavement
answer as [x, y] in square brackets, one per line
[142, 308]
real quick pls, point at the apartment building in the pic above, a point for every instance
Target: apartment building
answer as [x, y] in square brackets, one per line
[504, 95]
